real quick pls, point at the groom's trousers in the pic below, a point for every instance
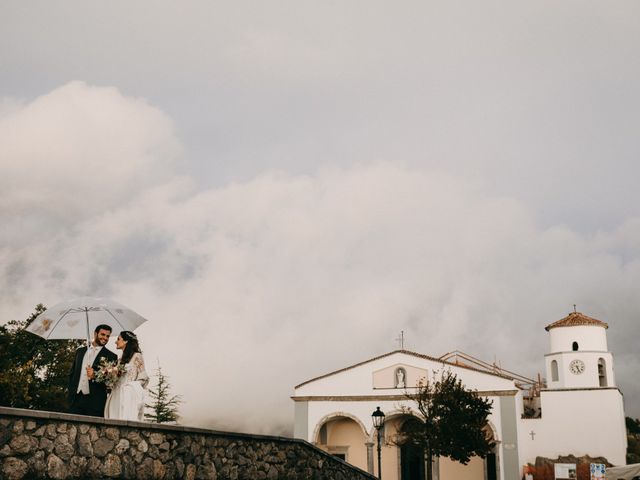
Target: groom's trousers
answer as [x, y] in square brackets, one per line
[86, 405]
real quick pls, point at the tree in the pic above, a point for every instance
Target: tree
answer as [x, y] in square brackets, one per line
[34, 372]
[164, 407]
[453, 421]
[633, 440]
[633, 425]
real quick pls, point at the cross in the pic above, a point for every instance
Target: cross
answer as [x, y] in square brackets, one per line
[400, 340]
[533, 434]
[574, 308]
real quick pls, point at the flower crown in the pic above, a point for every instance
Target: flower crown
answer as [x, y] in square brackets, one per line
[129, 334]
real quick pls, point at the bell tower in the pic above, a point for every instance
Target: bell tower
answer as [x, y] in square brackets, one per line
[578, 357]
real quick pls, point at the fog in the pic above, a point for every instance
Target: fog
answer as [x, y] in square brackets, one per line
[281, 191]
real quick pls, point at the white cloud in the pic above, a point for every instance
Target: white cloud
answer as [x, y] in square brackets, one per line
[79, 150]
[253, 287]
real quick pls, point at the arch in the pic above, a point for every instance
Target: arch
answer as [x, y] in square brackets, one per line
[393, 415]
[335, 416]
[406, 461]
[492, 460]
[491, 428]
[554, 370]
[602, 372]
[343, 435]
[411, 457]
[574, 346]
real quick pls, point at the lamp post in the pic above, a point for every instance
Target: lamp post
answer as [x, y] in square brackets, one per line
[378, 421]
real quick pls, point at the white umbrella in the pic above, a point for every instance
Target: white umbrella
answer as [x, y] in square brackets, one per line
[76, 319]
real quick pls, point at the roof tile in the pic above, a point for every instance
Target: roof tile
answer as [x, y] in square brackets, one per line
[575, 319]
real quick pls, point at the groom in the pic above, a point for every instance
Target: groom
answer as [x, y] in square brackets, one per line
[86, 396]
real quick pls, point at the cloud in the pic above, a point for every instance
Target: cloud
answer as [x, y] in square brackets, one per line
[68, 156]
[79, 149]
[255, 286]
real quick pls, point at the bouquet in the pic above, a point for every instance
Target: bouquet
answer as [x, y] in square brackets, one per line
[109, 372]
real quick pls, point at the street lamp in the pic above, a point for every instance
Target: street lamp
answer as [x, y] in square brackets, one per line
[378, 422]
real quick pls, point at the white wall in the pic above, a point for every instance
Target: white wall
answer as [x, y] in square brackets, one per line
[577, 422]
[358, 383]
[589, 337]
[588, 378]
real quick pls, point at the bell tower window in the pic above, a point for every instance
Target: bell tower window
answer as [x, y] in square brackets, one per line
[554, 371]
[574, 347]
[602, 372]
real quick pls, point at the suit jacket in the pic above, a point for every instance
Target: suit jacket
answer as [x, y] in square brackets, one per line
[97, 391]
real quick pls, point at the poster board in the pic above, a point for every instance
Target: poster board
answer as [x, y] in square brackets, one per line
[565, 471]
[598, 471]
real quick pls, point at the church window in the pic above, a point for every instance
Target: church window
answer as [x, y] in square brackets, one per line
[602, 372]
[554, 371]
[340, 452]
[575, 346]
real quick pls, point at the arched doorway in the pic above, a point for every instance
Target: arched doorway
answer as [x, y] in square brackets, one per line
[343, 437]
[412, 465]
[491, 461]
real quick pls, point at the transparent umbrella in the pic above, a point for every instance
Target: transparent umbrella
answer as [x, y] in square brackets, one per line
[77, 318]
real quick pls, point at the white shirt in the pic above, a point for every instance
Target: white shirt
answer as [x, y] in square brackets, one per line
[87, 361]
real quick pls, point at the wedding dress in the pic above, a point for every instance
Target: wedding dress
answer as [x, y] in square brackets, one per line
[126, 401]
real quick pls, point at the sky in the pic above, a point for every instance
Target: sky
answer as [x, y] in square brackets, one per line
[281, 188]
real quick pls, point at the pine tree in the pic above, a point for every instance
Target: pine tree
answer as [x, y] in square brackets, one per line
[164, 406]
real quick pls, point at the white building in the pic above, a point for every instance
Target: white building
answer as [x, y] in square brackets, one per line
[580, 411]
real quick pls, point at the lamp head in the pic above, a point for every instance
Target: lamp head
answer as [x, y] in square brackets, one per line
[378, 418]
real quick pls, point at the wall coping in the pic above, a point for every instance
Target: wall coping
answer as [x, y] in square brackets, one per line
[68, 417]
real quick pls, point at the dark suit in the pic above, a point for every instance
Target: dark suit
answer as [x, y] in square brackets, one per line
[92, 404]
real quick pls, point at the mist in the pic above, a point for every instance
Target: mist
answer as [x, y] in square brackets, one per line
[256, 286]
[282, 189]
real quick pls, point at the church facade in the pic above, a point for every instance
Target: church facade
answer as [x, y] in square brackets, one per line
[579, 410]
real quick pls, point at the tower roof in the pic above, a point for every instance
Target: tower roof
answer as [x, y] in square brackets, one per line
[576, 319]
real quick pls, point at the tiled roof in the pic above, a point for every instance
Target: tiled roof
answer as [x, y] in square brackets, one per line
[575, 319]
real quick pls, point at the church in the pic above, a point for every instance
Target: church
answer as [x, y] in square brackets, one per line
[577, 411]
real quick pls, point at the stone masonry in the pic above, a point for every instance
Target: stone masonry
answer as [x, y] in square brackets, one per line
[35, 444]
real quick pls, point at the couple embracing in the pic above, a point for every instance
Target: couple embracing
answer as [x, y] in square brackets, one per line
[100, 385]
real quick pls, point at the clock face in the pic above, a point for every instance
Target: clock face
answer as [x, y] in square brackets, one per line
[576, 367]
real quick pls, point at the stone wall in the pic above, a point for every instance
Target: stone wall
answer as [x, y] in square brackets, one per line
[544, 467]
[36, 444]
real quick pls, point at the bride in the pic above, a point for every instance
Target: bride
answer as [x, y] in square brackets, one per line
[126, 401]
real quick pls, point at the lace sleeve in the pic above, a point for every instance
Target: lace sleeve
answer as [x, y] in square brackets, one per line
[141, 373]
